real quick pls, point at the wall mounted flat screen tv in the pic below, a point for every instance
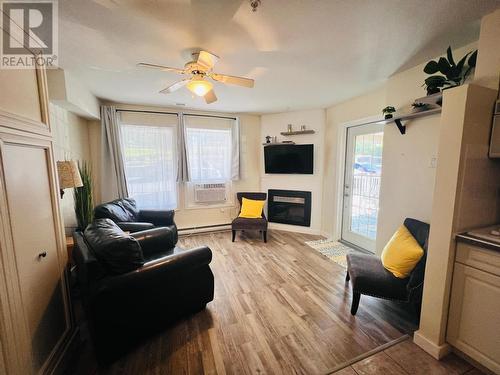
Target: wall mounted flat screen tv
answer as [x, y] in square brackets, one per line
[289, 159]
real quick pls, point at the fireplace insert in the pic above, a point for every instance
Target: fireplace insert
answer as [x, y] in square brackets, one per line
[289, 207]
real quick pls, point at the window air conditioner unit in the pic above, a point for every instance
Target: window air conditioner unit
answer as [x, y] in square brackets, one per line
[210, 193]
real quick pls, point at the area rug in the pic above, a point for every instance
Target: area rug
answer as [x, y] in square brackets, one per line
[333, 250]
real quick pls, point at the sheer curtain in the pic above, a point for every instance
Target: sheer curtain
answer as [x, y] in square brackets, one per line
[150, 158]
[211, 148]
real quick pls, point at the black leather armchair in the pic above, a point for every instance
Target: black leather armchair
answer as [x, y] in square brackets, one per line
[128, 217]
[368, 276]
[164, 284]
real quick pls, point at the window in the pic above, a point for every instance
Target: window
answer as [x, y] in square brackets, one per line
[150, 158]
[209, 148]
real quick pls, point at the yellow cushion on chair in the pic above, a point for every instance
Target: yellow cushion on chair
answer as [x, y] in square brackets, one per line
[251, 209]
[402, 253]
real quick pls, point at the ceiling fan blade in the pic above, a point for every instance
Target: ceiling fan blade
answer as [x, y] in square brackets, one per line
[161, 67]
[210, 97]
[233, 80]
[207, 60]
[176, 86]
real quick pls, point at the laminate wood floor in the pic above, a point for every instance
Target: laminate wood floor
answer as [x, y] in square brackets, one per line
[279, 308]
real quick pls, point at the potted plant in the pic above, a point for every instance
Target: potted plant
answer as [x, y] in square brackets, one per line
[388, 111]
[454, 74]
[84, 203]
[419, 107]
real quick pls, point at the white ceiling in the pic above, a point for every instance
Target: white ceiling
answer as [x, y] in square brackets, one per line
[301, 53]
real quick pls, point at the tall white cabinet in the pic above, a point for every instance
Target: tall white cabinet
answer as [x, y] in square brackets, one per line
[35, 321]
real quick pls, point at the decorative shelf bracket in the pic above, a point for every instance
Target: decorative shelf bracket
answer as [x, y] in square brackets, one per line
[401, 127]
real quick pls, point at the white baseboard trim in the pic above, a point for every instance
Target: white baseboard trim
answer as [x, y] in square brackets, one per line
[275, 226]
[294, 228]
[205, 229]
[327, 235]
[437, 351]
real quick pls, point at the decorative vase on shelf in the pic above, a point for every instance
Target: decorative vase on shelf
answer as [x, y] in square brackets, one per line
[290, 128]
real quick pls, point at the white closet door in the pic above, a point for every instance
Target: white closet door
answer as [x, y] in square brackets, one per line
[27, 180]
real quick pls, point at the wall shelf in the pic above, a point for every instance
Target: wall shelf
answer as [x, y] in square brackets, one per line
[297, 132]
[398, 119]
[278, 143]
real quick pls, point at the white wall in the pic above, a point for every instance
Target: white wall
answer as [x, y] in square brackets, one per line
[68, 92]
[71, 142]
[274, 124]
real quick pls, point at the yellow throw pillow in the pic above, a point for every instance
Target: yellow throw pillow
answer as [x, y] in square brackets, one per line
[251, 209]
[402, 253]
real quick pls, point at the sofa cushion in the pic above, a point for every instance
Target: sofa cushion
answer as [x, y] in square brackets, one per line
[251, 208]
[156, 240]
[118, 210]
[402, 253]
[368, 276]
[119, 252]
[242, 223]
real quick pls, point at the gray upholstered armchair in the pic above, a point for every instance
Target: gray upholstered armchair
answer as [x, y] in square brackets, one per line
[242, 223]
[368, 276]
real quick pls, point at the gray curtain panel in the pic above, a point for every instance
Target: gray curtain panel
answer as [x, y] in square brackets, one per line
[235, 157]
[113, 183]
[182, 164]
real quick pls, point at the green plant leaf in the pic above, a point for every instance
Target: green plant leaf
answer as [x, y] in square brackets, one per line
[449, 53]
[437, 81]
[461, 63]
[84, 205]
[431, 67]
[472, 59]
[444, 66]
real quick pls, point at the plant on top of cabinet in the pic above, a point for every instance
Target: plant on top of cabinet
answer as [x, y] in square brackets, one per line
[454, 74]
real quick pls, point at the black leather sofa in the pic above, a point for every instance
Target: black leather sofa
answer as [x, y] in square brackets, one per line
[135, 285]
[128, 217]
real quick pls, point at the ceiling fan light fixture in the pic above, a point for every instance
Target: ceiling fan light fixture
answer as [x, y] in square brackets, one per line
[199, 86]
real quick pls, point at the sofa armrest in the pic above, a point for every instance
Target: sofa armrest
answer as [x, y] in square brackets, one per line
[156, 273]
[155, 240]
[131, 226]
[157, 217]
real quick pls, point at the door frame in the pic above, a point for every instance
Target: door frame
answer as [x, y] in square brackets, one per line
[357, 240]
[340, 167]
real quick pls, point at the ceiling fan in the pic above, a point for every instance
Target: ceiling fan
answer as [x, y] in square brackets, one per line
[200, 69]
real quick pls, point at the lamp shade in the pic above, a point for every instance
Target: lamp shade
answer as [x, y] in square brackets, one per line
[199, 86]
[69, 175]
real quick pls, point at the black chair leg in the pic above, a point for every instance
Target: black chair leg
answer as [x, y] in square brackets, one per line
[355, 302]
[234, 234]
[347, 277]
[264, 234]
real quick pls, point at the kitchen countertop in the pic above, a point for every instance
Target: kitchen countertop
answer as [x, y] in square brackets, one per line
[481, 237]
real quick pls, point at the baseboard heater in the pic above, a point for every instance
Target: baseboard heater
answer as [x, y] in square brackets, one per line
[204, 229]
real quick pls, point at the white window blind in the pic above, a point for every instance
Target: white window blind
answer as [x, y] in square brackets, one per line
[210, 148]
[149, 146]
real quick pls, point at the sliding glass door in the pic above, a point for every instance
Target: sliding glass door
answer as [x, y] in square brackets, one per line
[363, 167]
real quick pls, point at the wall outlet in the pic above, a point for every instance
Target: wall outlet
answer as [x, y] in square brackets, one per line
[433, 162]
